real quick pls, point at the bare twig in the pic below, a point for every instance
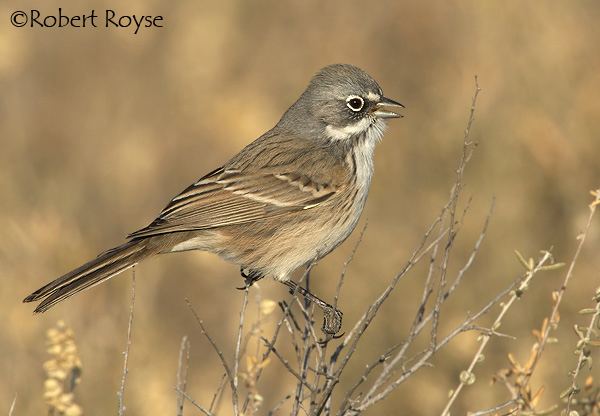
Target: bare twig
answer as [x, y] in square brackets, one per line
[218, 393]
[182, 370]
[286, 364]
[491, 410]
[346, 264]
[524, 400]
[308, 316]
[468, 376]
[417, 325]
[554, 316]
[322, 366]
[474, 252]
[467, 151]
[582, 344]
[383, 357]
[121, 392]
[368, 370]
[266, 354]
[12, 406]
[278, 405]
[236, 356]
[215, 347]
[351, 340]
[583, 348]
[307, 349]
[418, 322]
[194, 403]
[429, 352]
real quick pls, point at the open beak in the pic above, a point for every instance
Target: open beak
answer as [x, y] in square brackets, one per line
[382, 112]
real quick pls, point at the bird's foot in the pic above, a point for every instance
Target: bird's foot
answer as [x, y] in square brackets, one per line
[250, 277]
[332, 321]
[332, 317]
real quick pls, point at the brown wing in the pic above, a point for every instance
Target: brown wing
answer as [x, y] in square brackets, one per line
[229, 196]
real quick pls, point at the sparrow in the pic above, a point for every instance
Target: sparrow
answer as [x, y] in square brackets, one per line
[286, 200]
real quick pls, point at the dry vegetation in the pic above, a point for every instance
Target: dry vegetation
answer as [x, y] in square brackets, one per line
[99, 129]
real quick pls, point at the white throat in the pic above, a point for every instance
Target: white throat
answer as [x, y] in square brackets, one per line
[371, 128]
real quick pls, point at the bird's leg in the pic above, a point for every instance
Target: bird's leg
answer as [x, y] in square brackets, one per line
[332, 317]
[250, 277]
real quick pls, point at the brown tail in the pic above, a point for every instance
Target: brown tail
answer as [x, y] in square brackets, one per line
[102, 268]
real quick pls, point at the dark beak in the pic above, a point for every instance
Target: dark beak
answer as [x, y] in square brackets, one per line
[382, 112]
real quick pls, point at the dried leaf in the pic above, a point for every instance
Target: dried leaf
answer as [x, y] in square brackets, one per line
[521, 259]
[587, 311]
[566, 392]
[537, 396]
[554, 266]
[512, 360]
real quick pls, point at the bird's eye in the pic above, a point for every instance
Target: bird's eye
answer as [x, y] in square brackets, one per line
[355, 103]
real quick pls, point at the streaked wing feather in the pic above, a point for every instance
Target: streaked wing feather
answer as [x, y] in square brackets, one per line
[227, 197]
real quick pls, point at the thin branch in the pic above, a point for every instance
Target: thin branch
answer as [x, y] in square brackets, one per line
[182, 370]
[494, 409]
[12, 406]
[474, 252]
[266, 354]
[218, 351]
[193, 402]
[346, 264]
[365, 320]
[416, 327]
[310, 328]
[121, 392]
[291, 324]
[419, 323]
[351, 340]
[582, 347]
[559, 295]
[491, 333]
[368, 370]
[429, 352]
[467, 151]
[279, 405]
[236, 356]
[299, 396]
[218, 393]
[306, 348]
[485, 338]
[596, 315]
[286, 364]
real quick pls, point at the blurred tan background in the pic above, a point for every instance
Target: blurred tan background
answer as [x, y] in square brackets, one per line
[100, 128]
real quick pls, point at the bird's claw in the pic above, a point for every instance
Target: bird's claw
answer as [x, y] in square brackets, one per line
[332, 321]
[250, 277]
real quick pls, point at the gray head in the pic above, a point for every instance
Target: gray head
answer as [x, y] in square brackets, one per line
[341, 102]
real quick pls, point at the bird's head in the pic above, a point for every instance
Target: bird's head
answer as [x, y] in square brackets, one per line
[345, 102]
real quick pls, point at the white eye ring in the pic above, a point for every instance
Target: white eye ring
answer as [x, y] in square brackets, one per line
[355, 103]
